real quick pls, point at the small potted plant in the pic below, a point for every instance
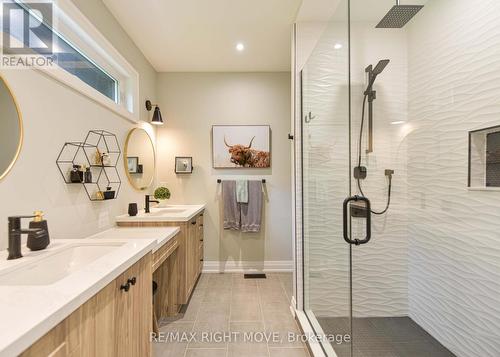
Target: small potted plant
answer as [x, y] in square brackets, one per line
[162, 194]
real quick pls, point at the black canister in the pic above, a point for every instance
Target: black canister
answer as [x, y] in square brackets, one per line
[74, 175]
[109, 194]
[88, 175]
[132, 209]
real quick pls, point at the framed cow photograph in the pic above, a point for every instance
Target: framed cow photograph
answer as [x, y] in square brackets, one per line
[241, 146]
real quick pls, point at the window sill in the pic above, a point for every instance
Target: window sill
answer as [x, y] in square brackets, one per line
[483, 188]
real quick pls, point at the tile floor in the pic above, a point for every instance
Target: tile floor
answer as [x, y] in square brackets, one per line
[234, 305]
[384, 337]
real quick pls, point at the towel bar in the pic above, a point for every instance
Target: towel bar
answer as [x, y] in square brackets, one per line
[219, 180]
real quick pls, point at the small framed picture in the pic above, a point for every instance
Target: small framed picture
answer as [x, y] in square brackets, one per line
[132, 163]
[183, 165]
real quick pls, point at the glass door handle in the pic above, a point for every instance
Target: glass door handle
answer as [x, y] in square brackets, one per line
[368, 236]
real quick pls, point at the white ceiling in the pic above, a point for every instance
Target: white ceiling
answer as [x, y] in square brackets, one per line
[201, 35]
[317, 10]
[369, 10]
[336, 10]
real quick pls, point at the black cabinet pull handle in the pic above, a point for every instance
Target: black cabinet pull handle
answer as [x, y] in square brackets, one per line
[201, 260]
[125, 287]
[201, 240]
[194, 222]
[201, 225]
[132, 281]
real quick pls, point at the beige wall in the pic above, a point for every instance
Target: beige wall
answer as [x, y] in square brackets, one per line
[54, 114]
[191, 103]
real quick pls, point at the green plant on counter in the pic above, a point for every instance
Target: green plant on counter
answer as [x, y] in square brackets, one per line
[162, 193]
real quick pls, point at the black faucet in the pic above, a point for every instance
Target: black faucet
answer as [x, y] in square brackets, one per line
[15, 232]
[148, 201]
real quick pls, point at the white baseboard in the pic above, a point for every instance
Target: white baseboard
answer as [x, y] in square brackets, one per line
[271, 266]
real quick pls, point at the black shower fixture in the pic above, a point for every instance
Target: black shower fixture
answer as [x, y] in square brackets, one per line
[399, 15]
[361, 172]
[371, 95]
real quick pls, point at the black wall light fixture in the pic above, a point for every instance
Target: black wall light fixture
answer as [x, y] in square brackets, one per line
[157, 119]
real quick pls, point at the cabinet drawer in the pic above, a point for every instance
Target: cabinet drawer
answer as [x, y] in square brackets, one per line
[164, 252]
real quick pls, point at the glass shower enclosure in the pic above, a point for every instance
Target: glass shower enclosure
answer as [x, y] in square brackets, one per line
[392, 237]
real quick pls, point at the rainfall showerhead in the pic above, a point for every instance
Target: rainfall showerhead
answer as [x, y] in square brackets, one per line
[399, 16]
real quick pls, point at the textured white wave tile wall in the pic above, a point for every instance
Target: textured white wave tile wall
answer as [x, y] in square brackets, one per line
[454, 87]
[380, 267]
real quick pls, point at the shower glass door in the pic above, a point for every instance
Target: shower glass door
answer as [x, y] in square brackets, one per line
[354, 290]
[355, 257]
[426, 283]
[325, 174]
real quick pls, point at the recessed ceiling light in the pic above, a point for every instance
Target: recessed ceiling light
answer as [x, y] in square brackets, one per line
[240, 47]
[338, 46]
[397, 122]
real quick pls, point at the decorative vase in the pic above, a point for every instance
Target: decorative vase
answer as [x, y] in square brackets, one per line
[132, 209]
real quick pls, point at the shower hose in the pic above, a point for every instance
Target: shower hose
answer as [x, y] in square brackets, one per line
[359, 164]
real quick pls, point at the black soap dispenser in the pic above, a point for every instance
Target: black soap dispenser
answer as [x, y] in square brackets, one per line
[38, 241]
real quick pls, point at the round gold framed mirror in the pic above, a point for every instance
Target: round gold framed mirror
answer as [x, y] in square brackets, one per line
[11, 129]
[139, 159]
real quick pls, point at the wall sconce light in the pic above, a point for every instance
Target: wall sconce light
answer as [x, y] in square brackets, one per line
[157, 119]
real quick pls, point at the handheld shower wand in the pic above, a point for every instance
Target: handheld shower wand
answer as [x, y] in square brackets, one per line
[372, 95]
[360, 172]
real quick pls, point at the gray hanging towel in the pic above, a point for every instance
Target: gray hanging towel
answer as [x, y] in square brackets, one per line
[251, 212]
[231, 207]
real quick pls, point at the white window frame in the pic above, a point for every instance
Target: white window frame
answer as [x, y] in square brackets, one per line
[75, 27]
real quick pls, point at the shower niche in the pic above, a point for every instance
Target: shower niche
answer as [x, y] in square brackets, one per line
[484, 158]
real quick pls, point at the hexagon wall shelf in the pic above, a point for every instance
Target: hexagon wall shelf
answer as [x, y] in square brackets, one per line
[100, 152]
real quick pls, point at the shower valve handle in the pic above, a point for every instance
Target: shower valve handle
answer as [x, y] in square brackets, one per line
[368, 236]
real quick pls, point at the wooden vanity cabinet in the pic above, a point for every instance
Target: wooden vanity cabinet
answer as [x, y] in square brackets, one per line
[114, 322]
[166, 275]
[200, 240]
[191, 255]
[134, 311]
[192, 233]
[189, 252]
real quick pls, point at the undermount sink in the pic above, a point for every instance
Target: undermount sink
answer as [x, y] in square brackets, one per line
[56, 265]
[161, 211]
[164, 213]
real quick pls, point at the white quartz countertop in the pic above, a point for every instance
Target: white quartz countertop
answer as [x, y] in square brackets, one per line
[27, 312]
[160, 234]
[167, 213]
